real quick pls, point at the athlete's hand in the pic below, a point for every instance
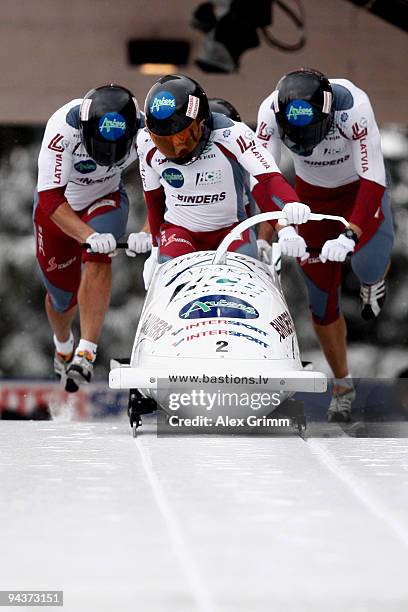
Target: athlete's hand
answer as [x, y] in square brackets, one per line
[150, 266]
[291, 243]
[296, 212]
[337, 249]
[101, 243]
[264, 251]
[139, 242]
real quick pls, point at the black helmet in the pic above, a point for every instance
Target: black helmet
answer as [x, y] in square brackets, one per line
[110, 119]
[302, 103]
[219, 105]
[178, 118]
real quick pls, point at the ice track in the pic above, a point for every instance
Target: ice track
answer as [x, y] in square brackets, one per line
[208, 524]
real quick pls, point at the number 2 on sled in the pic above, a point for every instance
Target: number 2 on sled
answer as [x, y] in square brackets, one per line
[221, 346]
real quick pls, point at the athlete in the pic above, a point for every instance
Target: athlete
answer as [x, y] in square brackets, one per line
[219, 105]
[80, 199]
[330, 130]
[223, 107]
[194, 165]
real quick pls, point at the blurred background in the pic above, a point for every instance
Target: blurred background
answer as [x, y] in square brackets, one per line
[53, 52]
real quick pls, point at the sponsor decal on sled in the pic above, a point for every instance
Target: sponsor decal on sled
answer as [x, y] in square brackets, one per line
[225, 332]
[226, 281]
[283, 325]
[218, 322]
[210, 306]
[153, 327]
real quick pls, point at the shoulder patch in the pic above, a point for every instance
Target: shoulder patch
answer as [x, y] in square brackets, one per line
[342, 98]
[72, 117]
[221, 121]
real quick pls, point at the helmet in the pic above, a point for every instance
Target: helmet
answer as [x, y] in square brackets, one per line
[219, 105]
[302, 103]
[178, 118]
[109, 119]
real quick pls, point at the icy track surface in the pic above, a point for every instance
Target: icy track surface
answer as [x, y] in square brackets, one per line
[205, 524]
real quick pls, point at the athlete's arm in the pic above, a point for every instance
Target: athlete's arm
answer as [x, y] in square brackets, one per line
[54, 170]
[265, 232]
[271, 190]
[155, 202]
[369, 164]
[54, 163]
[69, 222]
[146, 226]
[154, 194]
[266, 130]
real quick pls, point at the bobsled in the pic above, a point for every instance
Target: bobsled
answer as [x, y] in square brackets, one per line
[211, 318]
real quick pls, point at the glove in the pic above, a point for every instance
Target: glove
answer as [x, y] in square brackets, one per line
[101, 243]
[139, 242]
[150, 266]
[296, 213]
[291, 243]
[337, 249]
[264, 251]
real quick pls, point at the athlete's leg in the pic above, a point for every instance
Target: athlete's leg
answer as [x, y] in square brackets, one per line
[94, 298]
[323, 283]
[174, 242]
[209, 241]
[60, 322]
[371, 263]
[108, 214]
[59, 258]
[333, 340]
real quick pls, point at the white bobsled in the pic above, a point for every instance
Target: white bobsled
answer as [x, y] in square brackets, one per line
[221, 317]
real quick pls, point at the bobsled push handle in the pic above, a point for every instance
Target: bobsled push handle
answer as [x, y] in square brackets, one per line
[236, 232]
[119, 245]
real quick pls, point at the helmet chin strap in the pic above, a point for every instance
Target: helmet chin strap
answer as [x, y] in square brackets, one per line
[301, 150]
[304, 153]
[205, 135]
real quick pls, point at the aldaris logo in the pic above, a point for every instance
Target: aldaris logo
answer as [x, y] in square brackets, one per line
[214, 306]
[299, 112]
[85, 166]
[112, 126]
[163, 105]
